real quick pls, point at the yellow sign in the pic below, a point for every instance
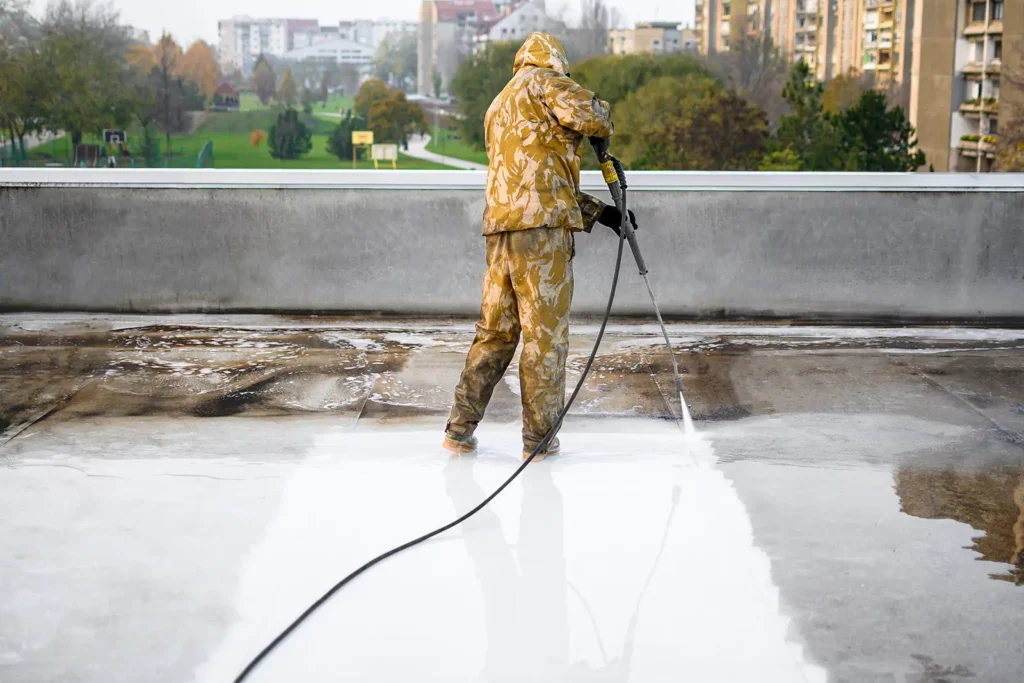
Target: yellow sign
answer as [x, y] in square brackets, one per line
[362, 137]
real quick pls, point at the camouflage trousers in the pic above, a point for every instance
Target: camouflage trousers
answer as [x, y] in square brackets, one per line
[527, 291]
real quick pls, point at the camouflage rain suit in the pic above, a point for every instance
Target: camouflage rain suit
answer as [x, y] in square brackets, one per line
[536, 130]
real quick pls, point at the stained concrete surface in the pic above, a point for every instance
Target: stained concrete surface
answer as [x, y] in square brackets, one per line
[176, 489]
[859, 254]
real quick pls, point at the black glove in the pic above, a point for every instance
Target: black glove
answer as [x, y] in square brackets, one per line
[612, 217]
[601, 146]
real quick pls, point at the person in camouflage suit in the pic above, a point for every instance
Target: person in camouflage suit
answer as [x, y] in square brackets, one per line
[536, 131]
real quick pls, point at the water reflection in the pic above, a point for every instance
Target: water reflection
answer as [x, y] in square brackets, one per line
[991, 501]
[524, 601]
[526, 588]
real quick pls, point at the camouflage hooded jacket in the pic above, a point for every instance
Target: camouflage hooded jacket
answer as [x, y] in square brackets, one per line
[536, 130]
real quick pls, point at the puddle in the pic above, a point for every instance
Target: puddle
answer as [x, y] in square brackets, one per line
[991, 501]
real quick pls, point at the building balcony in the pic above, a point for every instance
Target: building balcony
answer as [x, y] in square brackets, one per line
[994, 67]
[976, 28]
[996, 27]
[977, 145]
[971, 107]
[973, 69]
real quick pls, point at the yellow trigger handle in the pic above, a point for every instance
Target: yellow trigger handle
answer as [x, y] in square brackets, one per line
[608, 171]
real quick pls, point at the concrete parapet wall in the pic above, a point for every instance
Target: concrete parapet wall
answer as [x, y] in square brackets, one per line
[808, 245]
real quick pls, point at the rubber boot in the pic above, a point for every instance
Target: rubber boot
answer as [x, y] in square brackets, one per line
[551, 450]
[460, 445]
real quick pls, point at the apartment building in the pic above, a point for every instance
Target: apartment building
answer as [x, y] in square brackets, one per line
[651, 37]
[957, 96]
[447, 33]
[720, 23]
[244, 39]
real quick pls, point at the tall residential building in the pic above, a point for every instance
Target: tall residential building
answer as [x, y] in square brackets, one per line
[719, 23]
[447, 34]
[651, 37]
[244, 39]
[957, 96]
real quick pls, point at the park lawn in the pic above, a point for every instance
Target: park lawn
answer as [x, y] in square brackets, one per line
[448, 144]
[233, 150]
[250, 102]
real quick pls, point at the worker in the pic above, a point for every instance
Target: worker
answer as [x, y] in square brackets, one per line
[536, 131]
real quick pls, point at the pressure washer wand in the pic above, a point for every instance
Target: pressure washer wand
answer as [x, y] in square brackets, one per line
[615, 176]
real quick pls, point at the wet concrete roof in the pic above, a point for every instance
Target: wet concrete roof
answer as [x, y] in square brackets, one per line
[176, 489]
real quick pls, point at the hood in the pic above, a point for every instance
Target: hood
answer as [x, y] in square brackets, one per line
[544, 51]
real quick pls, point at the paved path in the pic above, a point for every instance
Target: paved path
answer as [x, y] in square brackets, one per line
[418, 149]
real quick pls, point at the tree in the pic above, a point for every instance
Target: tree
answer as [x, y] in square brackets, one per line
[612, 78]
[170, 101]
[394, 119]
[264, 81]
[325, 90]
[289, 138]
[808, 134]
[340, 142]
[1010, 148]
[435, 78]
[877, 138]
[308, 98]
[85, 47]
[756, 69]
[287, 93]
[477, 82]
[589, 37]
[690, 124]
[140, 56]
[369, 92]
[199, 65]
[25, 81]
[844, 91]
[396, 59]
[348, 78]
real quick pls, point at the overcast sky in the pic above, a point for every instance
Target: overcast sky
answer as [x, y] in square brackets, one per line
[192, 19]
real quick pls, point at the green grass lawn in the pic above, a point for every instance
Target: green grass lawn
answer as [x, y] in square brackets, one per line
[447, 143]
[234, 150]
[250, 102]
[231, 150]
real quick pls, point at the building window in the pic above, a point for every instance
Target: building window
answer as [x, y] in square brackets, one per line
[978, 11]
[993, 126]
[998, 50]
[997, 10]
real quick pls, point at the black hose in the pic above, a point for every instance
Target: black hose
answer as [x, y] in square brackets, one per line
[405, 546]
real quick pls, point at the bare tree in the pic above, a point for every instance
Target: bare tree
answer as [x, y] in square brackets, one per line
[588, 36]
[755, 68]
[1010, 154]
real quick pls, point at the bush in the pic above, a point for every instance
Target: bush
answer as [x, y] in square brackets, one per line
[990, 139]
[289, 137]
[340, 142]
[970, 138]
